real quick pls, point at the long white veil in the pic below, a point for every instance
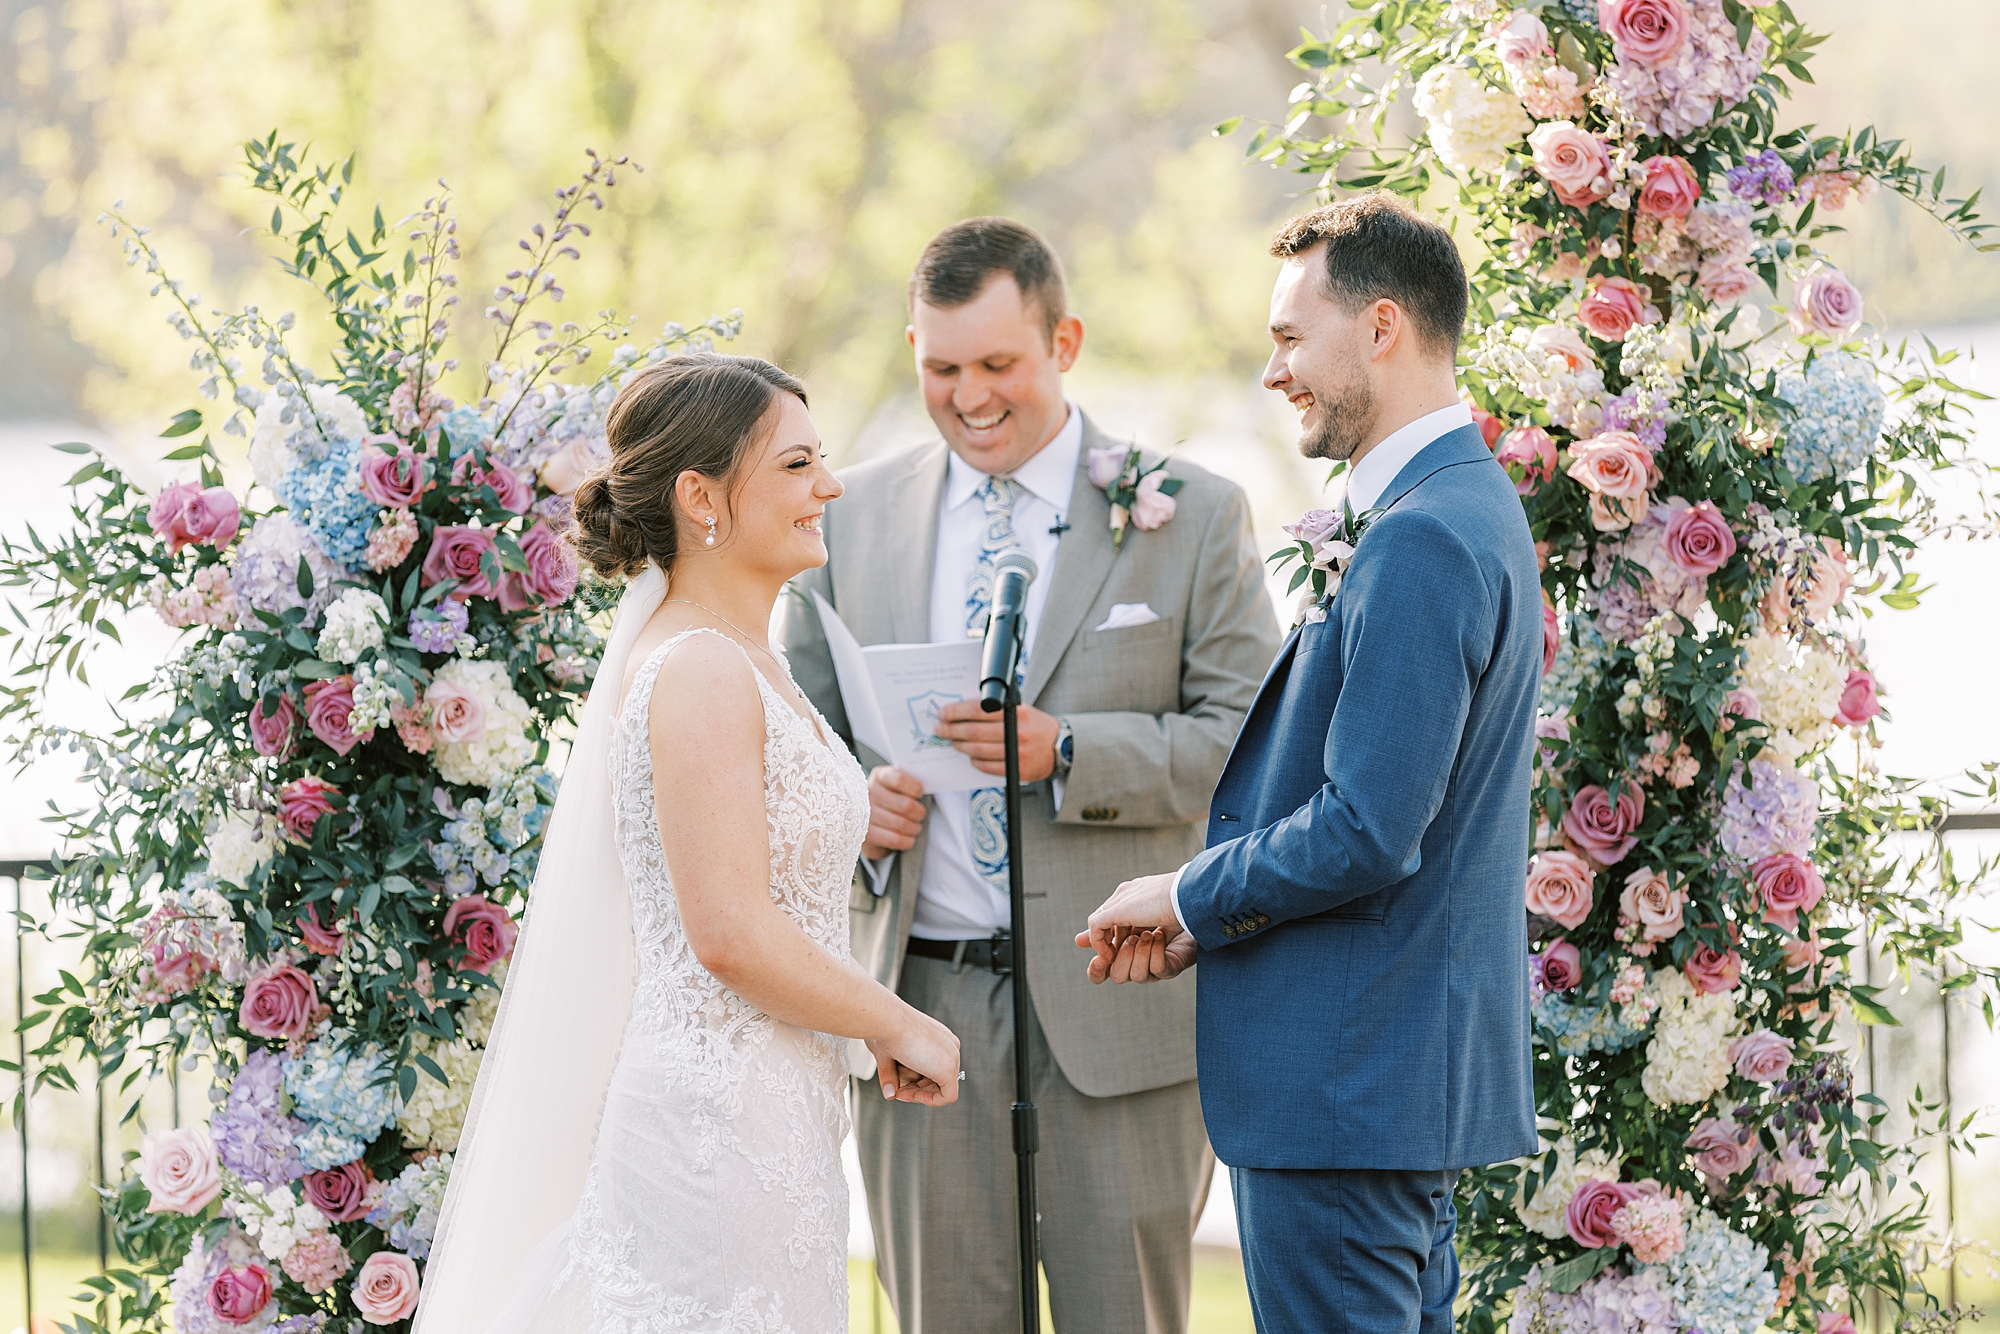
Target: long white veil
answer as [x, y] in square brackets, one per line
[525, 1150]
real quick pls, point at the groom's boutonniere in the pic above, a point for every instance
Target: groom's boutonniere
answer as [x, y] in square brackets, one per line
[1143, 495]
[1323, 541]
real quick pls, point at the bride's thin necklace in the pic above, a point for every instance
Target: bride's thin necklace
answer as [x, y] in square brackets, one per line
[690, 602]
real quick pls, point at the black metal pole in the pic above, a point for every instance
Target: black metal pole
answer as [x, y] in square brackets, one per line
[1026, 1133]
[20, 1012]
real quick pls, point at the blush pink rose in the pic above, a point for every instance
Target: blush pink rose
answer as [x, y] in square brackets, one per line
[563, 471]
[1789, 885]
[1670, 190]
[1712, 972]
[458, 716]
[330, 713]
[186, 515]
[1521, 39]
[1573, 161]
[1651, 901]
[1698, 538]
[1533, 451]
[1723, 280]
[1105, 465]
[271, 733]
[1152, 507]
[1650, 32]
[1551, 634]
[1762, 1056]
[1588, 1215]
[386, 1288]
[1613, 463]
[514, 490]
[551, 576]
[278, 1003]
[1561, 887]
[341, 1193]
[319, 938]
[1835, 1322]
[456, 553]
[393, 477]
[1614, 307]
[1602, 829]
[1802, 952]
[239, 1294]
[1824, 302]
[301, 802]
[1721, 1149]
[1559, 340]
[1562, 966]
[1739, 703]
[483, 929]
[1858, 700]
[178, 1167]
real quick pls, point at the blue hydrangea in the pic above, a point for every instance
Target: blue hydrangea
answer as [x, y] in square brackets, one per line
[1721, 1280]
[1578, 11]
[1839, 416]
[324, 496]
[407, 1208]
[1575, 1027]
[465, 428]
[344, 1096]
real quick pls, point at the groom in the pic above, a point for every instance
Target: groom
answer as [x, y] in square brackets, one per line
[1362, 1022]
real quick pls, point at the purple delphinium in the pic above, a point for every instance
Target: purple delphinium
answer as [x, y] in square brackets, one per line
[254, 1138]
[1626, 413]
[1764, 177]
[436, 628]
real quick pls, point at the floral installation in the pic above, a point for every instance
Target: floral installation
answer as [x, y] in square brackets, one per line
[1323, 542]
[1720, 499]
[307, 851]
[1140, 495]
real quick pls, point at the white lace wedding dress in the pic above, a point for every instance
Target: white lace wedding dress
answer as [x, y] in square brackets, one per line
[715, 1200]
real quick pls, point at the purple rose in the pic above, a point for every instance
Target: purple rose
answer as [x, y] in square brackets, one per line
[187, 516]
[456, 552]
[1315, 526]
[278, 1003]
[393, 480]
[551, 575]
[271, 733]
[239, 1295]
[1105, 465]
[330, 713]
[1562, 966]
[1762, 1056]
[1589, 1213]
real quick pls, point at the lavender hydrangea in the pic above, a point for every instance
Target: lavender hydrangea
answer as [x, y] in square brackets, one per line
[342, 1091]
[1720, 1281]
[436, 628]
[325, 496]
[1640, 412]
[1709, 72]
[1612, 1303]
[1772, 812]
[265, 570]
[407, 1208]
[1839, 410]
[252, 1134]
[1764, 178]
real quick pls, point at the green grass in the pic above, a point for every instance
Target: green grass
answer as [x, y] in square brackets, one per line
[59, 1276]
[1221, 1304]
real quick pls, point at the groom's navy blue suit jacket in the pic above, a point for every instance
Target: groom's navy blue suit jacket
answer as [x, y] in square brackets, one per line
[1362, 993]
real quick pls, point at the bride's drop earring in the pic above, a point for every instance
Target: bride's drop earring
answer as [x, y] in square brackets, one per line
[709, 541]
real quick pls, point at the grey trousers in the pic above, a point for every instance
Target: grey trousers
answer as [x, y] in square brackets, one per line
[1120, 1182]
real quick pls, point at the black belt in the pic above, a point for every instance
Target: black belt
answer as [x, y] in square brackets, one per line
[995, 952]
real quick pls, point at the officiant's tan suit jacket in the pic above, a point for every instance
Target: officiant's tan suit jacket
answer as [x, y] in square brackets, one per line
[1153, 709]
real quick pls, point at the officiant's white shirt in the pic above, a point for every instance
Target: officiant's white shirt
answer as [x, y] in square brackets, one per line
[954, 901]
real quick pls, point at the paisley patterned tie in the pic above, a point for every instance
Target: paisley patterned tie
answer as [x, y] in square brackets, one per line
[989, 804]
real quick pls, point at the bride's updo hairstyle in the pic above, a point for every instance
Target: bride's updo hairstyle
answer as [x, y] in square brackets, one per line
[704, 412]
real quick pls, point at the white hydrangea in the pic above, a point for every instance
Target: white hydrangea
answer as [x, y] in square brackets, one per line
[375, 699]
[244, 841]
[355, 623]
[1472, 124]
[1688, 1058]
[1720, 1280]
[434, 1116]
[1798, 689]
[1545, 1212]
[276, 443]
[499, 747]
[271, 1216]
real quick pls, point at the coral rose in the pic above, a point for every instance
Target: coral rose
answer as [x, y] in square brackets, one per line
[1614, 307]
[1721, 1149]
[278, 1003]
[386, 1288]
[1588, 1214]
[1573, 161]
[1650, 32]
[341, 1193]
[1802, 952]
[1858, 701]
[1789, 885]
[1562, 966]
[563, 471]
[1712, 972]
[239, 1294]
[551, 576]
[271, 733]
[179, 1168]
[394, 477]
[483, 929]
[1824, 302]
[301, 802]
[1559, 340]
[1561, 887]
[1551, 634]
[1604, 831]
[1762, 1056]
[1613, 463]
[1653, 903]
[320, 939]
[1698, 538]
[458, 552]
[1532, 451]
[1491, 428]
[1670, 190]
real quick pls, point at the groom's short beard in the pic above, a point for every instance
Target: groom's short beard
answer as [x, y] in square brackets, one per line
[1343, 422]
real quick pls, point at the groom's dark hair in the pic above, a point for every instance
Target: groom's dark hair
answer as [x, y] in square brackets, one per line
[1377, 246]
[960, 260]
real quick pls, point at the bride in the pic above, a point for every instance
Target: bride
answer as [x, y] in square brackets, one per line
[684, 1174]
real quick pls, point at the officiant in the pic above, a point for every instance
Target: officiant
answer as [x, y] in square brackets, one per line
[1149, 632]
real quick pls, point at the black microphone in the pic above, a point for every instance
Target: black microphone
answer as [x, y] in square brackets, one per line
[1007, 629]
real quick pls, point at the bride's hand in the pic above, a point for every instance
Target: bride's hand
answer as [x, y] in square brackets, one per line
[919, 1064]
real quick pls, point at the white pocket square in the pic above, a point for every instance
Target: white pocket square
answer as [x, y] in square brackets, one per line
[1127, 614]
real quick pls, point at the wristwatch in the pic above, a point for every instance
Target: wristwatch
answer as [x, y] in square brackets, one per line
[1065, 748]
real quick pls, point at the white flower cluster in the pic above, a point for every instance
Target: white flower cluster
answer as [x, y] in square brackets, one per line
[501, 748]
[434, 1117]
[291, 428]
[375, 698]
[271, 1215]
[356, 622]
[228, 659]
[1688, 1058]
[1798, 687]
[1657, 354]
[242, 842]
[1544, 1212]
[1720, 1280]
[1472, 124]
[1553, 367]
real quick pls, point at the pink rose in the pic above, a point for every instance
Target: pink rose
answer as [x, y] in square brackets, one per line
[1762, 1056]
[1551, 634]
[1614, 306]
[1698, 539]
[1561, 341]
[386, 1288]
[1858, 702]
[187, 516]
[301, 802]
[1561, 888]
[271, 733]
[239, 1295]
[1151, 507]
[1572, 161]
[483, 929]
[1612, 514]
[330, 713]
[393, 480]
[278, 1003]
[1562, 966]
[456, 553]
[1835, 1322]
[1828, 582]
[179, 1168]
[1802, 952]
[1533, 451]
[1491, 428]
[1721, 1149]
[1670, 190]
[458, 716]
[1521, 37]
[1588, 1215]
[551, 575]
[1613, 463]
[1653, 903]
[1105, 465]
[1712, 973]
[341, 1193]
[1789, 885]
[1314, 526]
[1739, 703]
[1723, 280]
[1650, 32]
[1824, 302]
[563, 471]
[320, 939]
[1601, 829]
[514, 491]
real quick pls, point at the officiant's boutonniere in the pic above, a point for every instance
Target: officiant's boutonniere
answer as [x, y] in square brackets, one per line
[1138, 493]
[1323, 542]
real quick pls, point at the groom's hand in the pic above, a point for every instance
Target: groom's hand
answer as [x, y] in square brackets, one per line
[981, 736]
[1136, 935]
[895, 812]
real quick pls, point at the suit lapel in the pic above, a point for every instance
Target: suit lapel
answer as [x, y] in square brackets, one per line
[918, 494]
[1462, 445]
[1084, 557]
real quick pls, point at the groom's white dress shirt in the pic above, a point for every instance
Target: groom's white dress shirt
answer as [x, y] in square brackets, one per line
[1366, 482]
[954, 901]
